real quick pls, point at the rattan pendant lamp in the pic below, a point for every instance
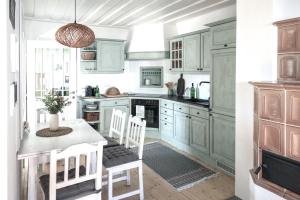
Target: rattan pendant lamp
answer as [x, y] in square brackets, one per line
[75, 35]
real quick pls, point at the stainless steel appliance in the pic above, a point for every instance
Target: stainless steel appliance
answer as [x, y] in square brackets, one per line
[147, 109]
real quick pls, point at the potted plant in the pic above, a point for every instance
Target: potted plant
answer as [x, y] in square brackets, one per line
[54, 104]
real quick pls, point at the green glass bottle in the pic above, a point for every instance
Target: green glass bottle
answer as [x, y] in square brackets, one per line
[193, 91]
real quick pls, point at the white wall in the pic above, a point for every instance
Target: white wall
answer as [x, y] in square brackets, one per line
[256, 61]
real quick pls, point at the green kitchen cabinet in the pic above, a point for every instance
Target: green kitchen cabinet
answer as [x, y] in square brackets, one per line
[106, 108]
[223, 81]
[222, 138]
[181, 127]
[223, 35]
[199, 134]
[176, 55]
[205, 52]
[110, 56]
[191, 52]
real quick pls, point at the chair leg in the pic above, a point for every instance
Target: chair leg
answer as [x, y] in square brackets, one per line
[110, 185]
[141, 183]
[128, 178]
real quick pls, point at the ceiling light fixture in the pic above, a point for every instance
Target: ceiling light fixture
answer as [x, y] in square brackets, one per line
[75, 35]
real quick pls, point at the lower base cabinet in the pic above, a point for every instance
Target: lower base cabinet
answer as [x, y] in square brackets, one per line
[199, 134]
[181, 127]
[166, 130]
[222, 138]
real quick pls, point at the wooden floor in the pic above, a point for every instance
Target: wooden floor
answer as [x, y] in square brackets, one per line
[219, 187]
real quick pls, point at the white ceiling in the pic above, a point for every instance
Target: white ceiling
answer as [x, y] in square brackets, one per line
[120, 13]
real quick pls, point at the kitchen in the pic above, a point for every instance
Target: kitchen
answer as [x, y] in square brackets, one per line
[174, 66]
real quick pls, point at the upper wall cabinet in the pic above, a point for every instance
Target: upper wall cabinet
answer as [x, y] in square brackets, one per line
[191, 53]
[223, 36]
[104, 56]
[176, 54]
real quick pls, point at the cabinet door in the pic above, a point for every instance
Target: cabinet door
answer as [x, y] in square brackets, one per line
[166, 130]
[223, 36]
[293, 142]
[192, 53]
[110, 56]
[223, 82]
[176, 54]
[205, 51]
[293, 108]
[271, 104]
[199, 133]
[222, 138]
[271, 136]
[288, 39]
[182, 127]
[105, 117]
[289, 67]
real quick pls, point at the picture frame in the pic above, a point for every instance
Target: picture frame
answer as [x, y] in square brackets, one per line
[12, 13]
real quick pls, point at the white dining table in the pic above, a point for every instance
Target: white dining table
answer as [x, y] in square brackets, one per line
[33, 148]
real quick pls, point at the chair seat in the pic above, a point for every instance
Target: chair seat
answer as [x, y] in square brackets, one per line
[118, 155]
[111, 142]
[70, 192]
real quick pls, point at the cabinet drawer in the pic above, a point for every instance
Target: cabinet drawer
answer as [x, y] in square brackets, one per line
[181, 108]
[199, 113]
[115, 102]
[166, 112]
[166, 118]
[271, 137]
[167, 104]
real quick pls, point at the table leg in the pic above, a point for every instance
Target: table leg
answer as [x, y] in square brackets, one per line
[32, 178]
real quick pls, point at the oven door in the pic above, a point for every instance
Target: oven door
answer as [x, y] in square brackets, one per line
[151, 111]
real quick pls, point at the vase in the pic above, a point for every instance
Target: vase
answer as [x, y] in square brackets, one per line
[53, 122]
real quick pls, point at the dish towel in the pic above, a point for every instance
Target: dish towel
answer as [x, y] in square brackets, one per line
[140, 111]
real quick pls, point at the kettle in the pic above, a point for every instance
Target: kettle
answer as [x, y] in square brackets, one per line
[88, 91]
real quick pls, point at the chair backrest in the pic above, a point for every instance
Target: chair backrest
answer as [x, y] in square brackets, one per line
[117, 125]
[75, 151]
[135, 134]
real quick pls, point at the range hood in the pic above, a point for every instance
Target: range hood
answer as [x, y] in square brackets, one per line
[147, 42]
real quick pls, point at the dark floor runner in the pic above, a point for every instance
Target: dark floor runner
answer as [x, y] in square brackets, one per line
[180, 171]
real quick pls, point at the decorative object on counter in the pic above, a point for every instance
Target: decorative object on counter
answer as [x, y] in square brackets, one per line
[89, 91]
[54, 104]
[193, 92]
[187, 92]
[97, 91]
[170, 86]
[147, 81]
[88, 55]
[75, 35]
[46, 132]
[180, 86]
[112, 91]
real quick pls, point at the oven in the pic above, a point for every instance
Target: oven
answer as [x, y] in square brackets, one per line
[147, 109]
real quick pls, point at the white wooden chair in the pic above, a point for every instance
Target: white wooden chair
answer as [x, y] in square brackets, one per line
[119, 158]
[77, 183]
[117, 126]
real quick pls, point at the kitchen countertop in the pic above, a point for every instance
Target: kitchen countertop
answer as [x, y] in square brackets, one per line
[204, 104]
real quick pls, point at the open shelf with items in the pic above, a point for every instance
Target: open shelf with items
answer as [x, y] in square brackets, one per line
[88, 58]
[151, 77]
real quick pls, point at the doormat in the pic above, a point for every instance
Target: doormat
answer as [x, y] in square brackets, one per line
[178, 170]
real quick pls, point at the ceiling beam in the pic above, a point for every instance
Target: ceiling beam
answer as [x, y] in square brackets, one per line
[196, 11]
[113, 12]
[95, 11]
[133, 13]
[176, 11]
[152, 13]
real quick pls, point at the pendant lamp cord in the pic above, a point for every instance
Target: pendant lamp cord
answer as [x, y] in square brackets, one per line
[75, 11]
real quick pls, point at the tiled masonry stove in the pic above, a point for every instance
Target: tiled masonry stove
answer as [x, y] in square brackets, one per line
[277, 119]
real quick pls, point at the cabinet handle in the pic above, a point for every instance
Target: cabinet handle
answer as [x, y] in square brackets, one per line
[116, 102]
[198, 113]
[165, 111]
[166, 118]
[123, 69]
[165, 123]
[165, 104]
[170, 69]
[179, 108]
[225, 45]
[190, 117]
[187, 116]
